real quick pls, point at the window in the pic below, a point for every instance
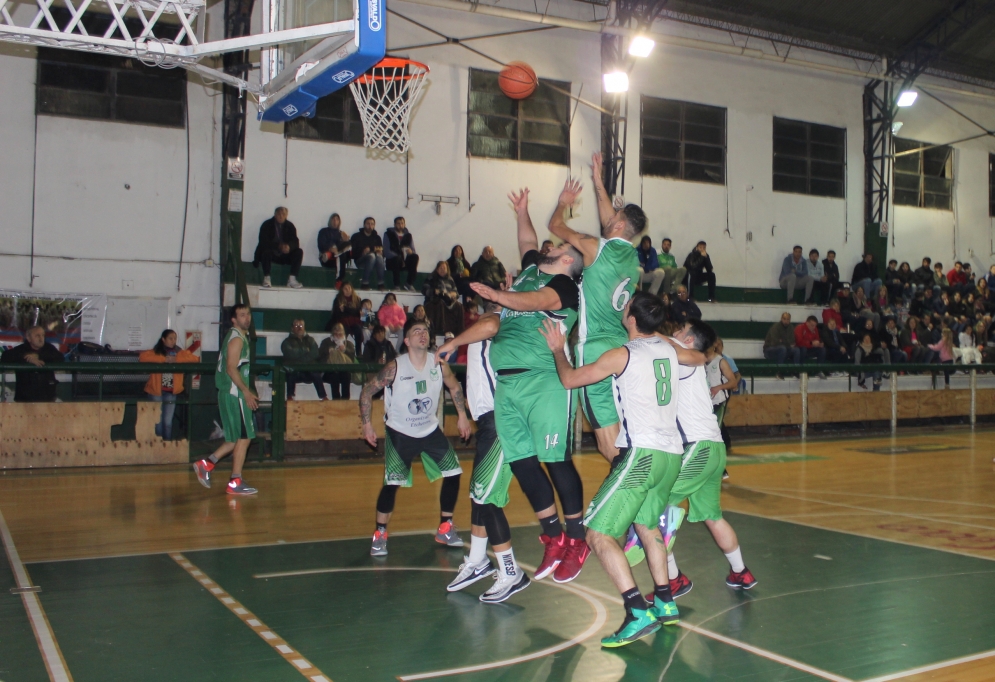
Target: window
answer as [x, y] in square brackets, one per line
[809, 158]
[923, 174]
[536, 128]
[336, 119]
[991, 184]
[682, 140]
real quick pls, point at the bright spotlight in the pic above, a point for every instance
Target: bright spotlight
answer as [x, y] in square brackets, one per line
[616, 81]
[641, 46]
[907, 98]
[895, 127]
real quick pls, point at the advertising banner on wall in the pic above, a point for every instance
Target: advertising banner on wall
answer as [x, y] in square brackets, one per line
[66, 318]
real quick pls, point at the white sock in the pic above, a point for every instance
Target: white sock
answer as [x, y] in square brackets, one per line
[735, 558]
[507, 564]
[478, 549]
[672, 570]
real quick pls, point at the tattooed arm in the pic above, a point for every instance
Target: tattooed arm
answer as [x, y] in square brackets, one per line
[456, 391]
[383, 379]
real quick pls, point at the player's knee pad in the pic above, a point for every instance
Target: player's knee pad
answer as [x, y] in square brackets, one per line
[568, 486]
[534, 483]
[385, 502]
[496, 523]
[449, 493]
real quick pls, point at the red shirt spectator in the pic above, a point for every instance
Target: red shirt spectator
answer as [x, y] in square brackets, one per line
[956, 277]
[806, 334]
[832, 314]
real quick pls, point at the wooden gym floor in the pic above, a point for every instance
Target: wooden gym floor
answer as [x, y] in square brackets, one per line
[874, 559]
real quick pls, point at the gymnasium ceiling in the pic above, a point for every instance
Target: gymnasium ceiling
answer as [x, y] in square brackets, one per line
[859, 28]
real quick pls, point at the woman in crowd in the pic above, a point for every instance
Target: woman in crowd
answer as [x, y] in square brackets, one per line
[418, 314]
[459, 270]
[346, 311]
[442, 301]
[969, 350]
[908, 282]
[882, 304]
[944, 348]
[956, 307]
[917, 351]
[337, 349]
[889, 339]
[862, 307]
[379, 350]
[868, 352]
[392, 316]
[163, 388]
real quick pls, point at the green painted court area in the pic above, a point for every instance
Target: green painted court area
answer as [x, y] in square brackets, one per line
[828, 606]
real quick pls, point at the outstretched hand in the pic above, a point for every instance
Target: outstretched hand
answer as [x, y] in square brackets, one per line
[553, 334]
[571, 190]
[485, 292]
[597, 168]
[520, 201]
[445, 349]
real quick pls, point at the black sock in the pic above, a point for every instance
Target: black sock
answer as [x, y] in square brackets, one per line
[382, 527]
[634, 600]
[662, 593]
[443, 519]
[551, 526]
[575, 528]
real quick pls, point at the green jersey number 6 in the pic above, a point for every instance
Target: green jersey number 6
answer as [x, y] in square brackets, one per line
[621, 295]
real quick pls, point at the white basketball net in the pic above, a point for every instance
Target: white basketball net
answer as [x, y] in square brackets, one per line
[384, 97]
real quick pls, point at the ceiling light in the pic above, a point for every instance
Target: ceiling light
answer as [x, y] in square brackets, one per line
[641, 46]
[895, 127]
[907, 98]
[616, 81]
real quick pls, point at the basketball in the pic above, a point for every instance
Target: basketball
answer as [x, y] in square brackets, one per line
[518, 80]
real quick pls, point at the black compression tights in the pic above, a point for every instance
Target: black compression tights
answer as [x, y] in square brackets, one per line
[496, 523]
[447, 496]
[476, 514]
[534, 483]
[568, 486]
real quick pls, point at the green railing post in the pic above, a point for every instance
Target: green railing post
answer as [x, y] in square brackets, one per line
[279, 406]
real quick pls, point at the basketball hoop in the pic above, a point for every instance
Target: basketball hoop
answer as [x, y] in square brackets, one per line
[384, 96]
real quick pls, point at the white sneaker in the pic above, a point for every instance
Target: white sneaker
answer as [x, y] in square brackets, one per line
[471, 573]
[293, 283]
[504, 587]
[267, 282]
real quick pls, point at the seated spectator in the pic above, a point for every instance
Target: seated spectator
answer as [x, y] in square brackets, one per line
[944, 349]
[910, 341]
[923, 275]
[367, 318]
[957, 278]
[34, 387]
[847, 302]
[163, 388]
[367, 251]
[833, 313]
[820, 281]
[459, 270]
[983, 297]
[345, 311]
[990, 279]
[442, 301]
[672, 275]
[392, 316]
[921, 303]
[956, 307]
[794, 272]
[940, 284]
[865, 276]
[547, 246]
[908, 283]
[399, 254]
[488, 269]
[779, 344]
[867, 352]
[941, 303]
[892, 281]
[668, 307]
[337, 349]
[833, 342]
[301, 348]
[863, 308]
[334, 247]
[890, 340]
[882, 304]
[808, 341]
[278, 243]
[649, 265]
[418, 314]
[699, 271]
[379, 351]
[832, 272]
[683, 308]
[968, 351]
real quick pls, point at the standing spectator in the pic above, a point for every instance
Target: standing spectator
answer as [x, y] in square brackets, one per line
[459, 270]
[923, 275]
[334, 247]
[940, 284]
[915, 349]
[820, 281]
[683, 308]
[367, 251]
[442, 301]
[379, 351]
[832, 341]
[699, 271]
[337, 349]
[944, 349]
[865, 276]
[278, 243]
[832, 272]
[866, 353]
[649, 265]
[809, 342]
[956, 278]
[794, 272]
[34, 387]
[163, 388]
[399, 254]
[346, 311]
[392, 316]
[488, 269]
[301, 348]
[779, 344]
[673, 275]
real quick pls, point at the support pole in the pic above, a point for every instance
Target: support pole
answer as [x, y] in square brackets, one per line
[894, 403]
[974, 397]
[804, 390]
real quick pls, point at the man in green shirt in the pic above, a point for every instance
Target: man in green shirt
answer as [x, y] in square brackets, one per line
[673, 275]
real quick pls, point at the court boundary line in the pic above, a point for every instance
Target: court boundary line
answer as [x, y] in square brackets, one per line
[886, 497]
[296, 659]
[48, 645]
[933, 666]
[600, 618]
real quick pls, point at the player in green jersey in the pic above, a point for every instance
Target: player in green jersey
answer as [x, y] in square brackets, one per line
[611, 277]
[236, 401]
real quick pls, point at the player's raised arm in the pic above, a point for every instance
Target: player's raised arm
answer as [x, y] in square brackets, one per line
[605, 209]
[527, 238]
[611, 363]
[485, 328]
[383, 379]
[584, 243]
[456, 391]
[546, 298]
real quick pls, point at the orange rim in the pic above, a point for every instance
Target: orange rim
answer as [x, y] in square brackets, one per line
[393, 63]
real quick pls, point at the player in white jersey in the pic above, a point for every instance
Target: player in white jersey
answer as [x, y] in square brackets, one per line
[638, 486]
[412, 386]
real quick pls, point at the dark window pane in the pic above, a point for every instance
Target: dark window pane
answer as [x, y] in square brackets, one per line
[826, 188]
[491, 147]
[827, 171]
[828, 135]
[71, 77]
[707, 134]
[936, 201]
[336, 119]
[141, 84]
[703, 173]
[790, 183]
[941, 185]
[495, 126]
[490, 103]
[907, 181]
[141, 110]
[809, 158]
[908, 163]
[790, 165]
[544, 153]
[906, 198]
[654, 127]
[547, 110]
[790, 147]
[934, 161]
[922, 178]
[705, 115]
[702, 153]
[550, 133]
[661, 108]
[662, 148]
[790, 129]
[660, 167]
[69, 103]
[826, 153]
[682, 140]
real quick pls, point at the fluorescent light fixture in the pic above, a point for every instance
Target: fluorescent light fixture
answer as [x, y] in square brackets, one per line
[616, 81]
[641, 46]
[907, 98]
[895, 127]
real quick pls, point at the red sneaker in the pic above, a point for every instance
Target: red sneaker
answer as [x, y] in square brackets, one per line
[552, 556]
[743, 580]
[680, 585]
[574, 557]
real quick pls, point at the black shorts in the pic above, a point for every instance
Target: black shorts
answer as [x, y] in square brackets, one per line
[486, 435]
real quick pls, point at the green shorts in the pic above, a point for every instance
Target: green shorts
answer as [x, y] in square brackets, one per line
[236, 417]
[491, 477]
[598, 400]
[636, 491]
[533, 415]
[700, 480]
[437, 455]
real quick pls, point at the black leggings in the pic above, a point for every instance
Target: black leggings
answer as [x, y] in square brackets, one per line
[447, 496]
[568, 486]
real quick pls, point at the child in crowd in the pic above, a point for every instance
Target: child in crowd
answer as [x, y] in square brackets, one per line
[367, 318]
[945, 349]
[392, 316]
[968, 351]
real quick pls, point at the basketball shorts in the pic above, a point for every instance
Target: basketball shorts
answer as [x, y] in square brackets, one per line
[533, 415]
[700, 480]
[437, 455]
[636, 491]
[598, 400]
[491, 476]
[236, 417]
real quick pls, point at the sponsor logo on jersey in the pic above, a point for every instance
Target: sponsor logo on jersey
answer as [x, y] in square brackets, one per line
[420, 406]
[343, 76]
[421, 387]
[433, 374]
[478, 490]
[405, 378]
[396, 477]
[374, 9]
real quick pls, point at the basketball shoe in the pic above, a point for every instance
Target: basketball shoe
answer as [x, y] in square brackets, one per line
[574, 556]
[236, 486]
[379, 547]
[471, 573]
[552, 555]
[504, 587]
[680, 585]
[447, 535]
[203, 470]
[743, 580]
[638, 623]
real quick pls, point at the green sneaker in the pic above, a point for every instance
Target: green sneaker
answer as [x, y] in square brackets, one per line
[636, 625]
[665, 612]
